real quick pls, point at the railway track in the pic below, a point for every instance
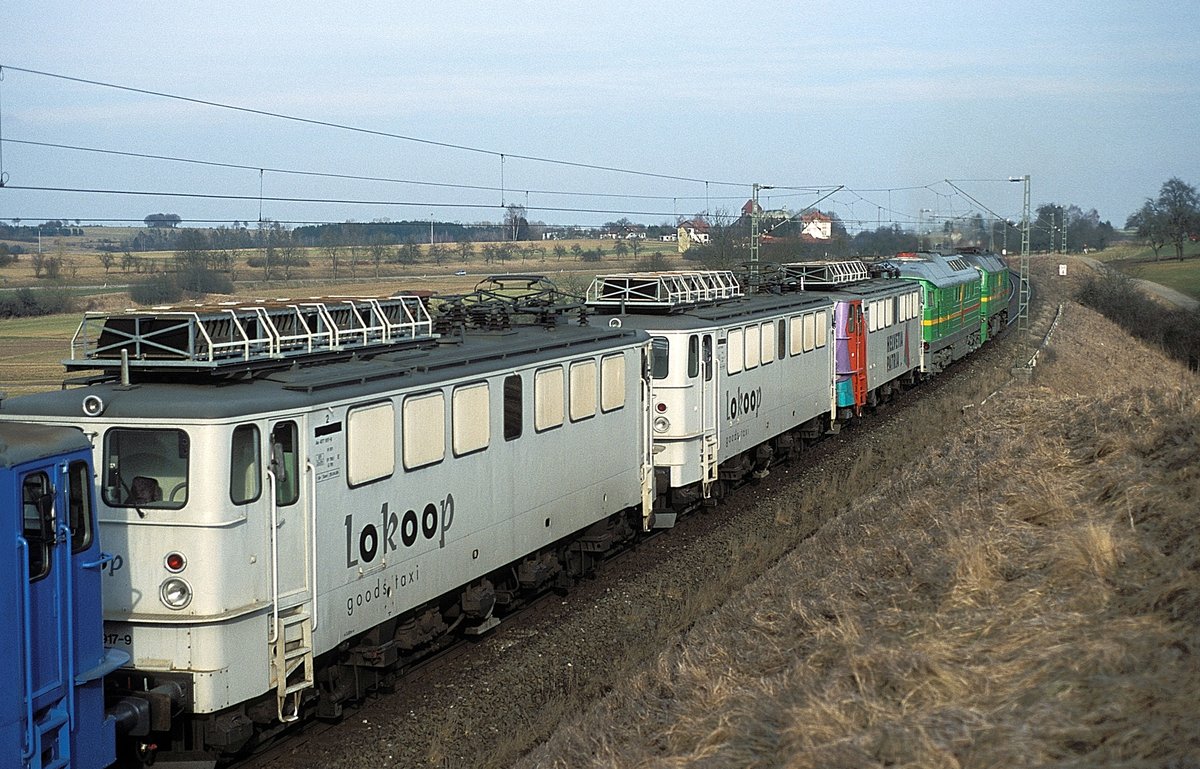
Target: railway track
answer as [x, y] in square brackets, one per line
[641, 599]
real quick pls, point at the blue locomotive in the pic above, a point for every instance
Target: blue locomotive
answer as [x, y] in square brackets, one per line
[52, 712]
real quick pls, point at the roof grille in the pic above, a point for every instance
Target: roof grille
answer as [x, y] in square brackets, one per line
[667, 290]
[221, 337]
[808, 275]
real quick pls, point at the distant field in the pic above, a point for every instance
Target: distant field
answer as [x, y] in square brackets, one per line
[31, 349]
[83, 267]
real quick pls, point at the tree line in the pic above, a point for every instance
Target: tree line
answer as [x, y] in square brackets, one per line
[1171, 218]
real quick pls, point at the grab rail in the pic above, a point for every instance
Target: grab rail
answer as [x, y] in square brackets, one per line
[274, 558]
[27, 636]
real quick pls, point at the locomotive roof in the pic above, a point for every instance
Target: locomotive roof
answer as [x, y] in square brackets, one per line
[21, 442]
[873, 289]
[941, 270]
[204, 397]
[984, 260]
[727, 313]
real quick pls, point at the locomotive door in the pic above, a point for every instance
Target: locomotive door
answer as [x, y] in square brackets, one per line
[290, 495]
[286, 476]
[857, 354]
[709, 421]
[47, 649]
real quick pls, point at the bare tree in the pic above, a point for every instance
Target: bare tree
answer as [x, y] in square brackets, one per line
[332, 250]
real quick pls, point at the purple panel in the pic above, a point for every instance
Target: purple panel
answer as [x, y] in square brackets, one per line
[841, 339]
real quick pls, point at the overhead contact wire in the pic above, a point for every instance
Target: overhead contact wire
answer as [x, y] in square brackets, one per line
[368, 131]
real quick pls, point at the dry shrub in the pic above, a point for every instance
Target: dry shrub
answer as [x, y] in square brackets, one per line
[1028, 595]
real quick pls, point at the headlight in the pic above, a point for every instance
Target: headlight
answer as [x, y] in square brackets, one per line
[661, 424]
[175, 593]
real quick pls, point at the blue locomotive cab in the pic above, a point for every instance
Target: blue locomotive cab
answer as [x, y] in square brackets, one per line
[52, 710]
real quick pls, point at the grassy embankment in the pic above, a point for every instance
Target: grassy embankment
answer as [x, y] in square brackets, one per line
[1025, 593]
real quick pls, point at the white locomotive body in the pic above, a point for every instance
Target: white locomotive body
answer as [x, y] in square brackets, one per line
[279, 531]
[735, 378]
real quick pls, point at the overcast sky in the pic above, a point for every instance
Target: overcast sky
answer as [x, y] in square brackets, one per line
[1096, 101]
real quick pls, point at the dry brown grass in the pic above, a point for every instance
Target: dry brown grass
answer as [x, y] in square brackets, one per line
[1028, 594]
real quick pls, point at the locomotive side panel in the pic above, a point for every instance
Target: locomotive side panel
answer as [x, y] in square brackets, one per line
[487, 469]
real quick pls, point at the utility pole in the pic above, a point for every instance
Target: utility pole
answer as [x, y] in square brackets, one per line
[1023, 311]
[754, 233]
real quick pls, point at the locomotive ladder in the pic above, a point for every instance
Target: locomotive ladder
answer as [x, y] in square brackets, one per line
[709, 462]
[292, 661]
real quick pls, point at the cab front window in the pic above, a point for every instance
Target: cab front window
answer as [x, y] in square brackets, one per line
[145, 469]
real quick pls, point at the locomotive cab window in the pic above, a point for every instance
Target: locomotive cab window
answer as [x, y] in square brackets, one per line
[285, 463]
[79, 506]
[659, 357]
[37, 505]
[245, 465]
[145, 469]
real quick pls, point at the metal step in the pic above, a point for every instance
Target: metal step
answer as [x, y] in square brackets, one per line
[292, 667]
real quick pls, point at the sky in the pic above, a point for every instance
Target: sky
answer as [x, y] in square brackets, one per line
[649, 111]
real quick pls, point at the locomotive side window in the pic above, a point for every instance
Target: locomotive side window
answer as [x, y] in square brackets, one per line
[583, 390]
[706, 357]
[285, 463]
[37, 504]
[79, 504]
[548, 398]
[693, 356]
[810, 332]
[612, 382]
[796, 322]
[822, 331]
[424, 430]
[735, 351]
[768, 342]
[370, 443]
[513, 408]
[781, 340]
[659, 357]
[245, 465]
[752, 339]
[471, 424]
[146, 469]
